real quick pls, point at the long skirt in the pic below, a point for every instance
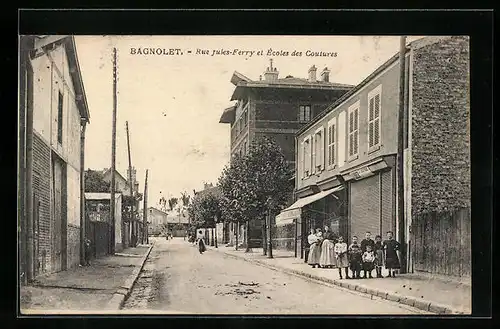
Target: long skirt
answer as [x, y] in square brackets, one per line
[201, 246]
[379, 258]
[314, 254]
[327, 257]
[392, 260]
[342, 261]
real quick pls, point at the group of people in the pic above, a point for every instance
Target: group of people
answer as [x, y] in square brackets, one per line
[327, 251]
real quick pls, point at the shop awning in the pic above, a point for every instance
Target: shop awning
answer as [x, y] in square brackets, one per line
[287, 215]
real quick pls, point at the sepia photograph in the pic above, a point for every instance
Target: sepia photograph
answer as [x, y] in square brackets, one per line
[244, 174]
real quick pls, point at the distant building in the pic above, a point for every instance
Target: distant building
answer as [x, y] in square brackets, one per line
[156, 220]
[53, 115]
[277, 108]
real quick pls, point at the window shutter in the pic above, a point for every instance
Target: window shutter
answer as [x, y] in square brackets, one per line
[334, 141]
[322, 148]
[376, 138]
[351, 122]
[370, 110]
[377, 106]
[301, 160]
[370, 134]
[313, 157]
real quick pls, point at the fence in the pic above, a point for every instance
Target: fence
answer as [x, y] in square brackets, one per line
[441, 243]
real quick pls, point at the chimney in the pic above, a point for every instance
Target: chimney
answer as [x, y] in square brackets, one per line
[325, 75]
[312, 74]
[271, 73]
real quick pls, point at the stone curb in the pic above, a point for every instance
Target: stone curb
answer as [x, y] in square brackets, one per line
[123, 291]
[391, 296]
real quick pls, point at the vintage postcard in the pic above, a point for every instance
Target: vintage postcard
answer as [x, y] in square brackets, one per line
[274, 175]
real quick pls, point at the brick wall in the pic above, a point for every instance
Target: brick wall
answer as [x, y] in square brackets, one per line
[41, 188]
[440, 127]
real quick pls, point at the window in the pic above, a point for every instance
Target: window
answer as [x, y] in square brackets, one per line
[318, 150]
[374, 107]
[60, 118]
[306, 156]
[331, 142]
[304, 113]
[353, 130]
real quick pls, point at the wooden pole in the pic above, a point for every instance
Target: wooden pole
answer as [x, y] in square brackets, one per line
[145, 210]
[83, 227]
[29, 170]
[131, 183]
[113, 159]
[400, 164]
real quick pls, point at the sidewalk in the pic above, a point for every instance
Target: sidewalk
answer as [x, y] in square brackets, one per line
[433, 294]
[102, 286]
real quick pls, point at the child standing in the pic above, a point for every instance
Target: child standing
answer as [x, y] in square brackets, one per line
[379, 256]
[355, 258]
[314, 249]
[368, 261]
[391, 247]
[341, 256]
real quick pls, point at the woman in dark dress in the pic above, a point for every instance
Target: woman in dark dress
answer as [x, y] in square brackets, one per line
[201, 243]
[391, 247]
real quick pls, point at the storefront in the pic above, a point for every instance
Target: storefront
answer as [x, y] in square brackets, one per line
[372, 204]
[324, 208]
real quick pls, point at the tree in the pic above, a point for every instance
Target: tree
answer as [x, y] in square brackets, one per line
[94, 182]
[172, 202]
[185, 199]
[256, 183]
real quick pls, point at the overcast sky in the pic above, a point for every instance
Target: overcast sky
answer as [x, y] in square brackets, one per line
[173, 103]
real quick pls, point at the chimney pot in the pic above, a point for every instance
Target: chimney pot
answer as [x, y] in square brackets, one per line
[325, 75]
[312, 74]
[271, 73]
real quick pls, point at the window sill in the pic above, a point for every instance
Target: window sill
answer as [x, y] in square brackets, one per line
[374, 149]
[332, 167]
[353, 158]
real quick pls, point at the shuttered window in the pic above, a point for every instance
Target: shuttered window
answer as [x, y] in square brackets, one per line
[353, 130]
[307, 157]
[374, 110]
[319, 150]
[331, 143]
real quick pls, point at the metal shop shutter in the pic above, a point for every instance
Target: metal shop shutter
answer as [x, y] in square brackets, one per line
[388, 202]
[365, 207]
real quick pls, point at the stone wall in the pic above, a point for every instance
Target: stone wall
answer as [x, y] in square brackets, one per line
[440, 126]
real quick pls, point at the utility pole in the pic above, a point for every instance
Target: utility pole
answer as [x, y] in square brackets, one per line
[145, 210]
[83, 223]
[131, 183]
[113, 160]
[400, 164]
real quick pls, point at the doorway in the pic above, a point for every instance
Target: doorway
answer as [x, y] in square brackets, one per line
[59, 206]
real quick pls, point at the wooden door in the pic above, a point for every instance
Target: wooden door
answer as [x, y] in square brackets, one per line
[57, 216]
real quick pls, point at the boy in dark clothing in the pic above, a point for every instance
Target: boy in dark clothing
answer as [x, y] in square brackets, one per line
[355, 260]
[87, 252]
[367, 241]
[379, 256]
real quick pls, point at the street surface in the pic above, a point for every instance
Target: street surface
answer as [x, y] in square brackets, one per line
[176, 278]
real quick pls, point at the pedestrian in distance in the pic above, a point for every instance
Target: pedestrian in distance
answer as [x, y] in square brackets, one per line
[314, 241]
[391, 248]
[201, 243]
[368, 261]
[367, 241]
[327, 258]
[379, 256]
[355, 255]
[341, 257]
[87, 251]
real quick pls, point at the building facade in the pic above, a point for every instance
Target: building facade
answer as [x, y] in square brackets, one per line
[156, 221]
[347, 158]
[54, 112]
[276, 108]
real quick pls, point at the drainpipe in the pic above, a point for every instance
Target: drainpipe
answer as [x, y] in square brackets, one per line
[400, 163]
[83, 224]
